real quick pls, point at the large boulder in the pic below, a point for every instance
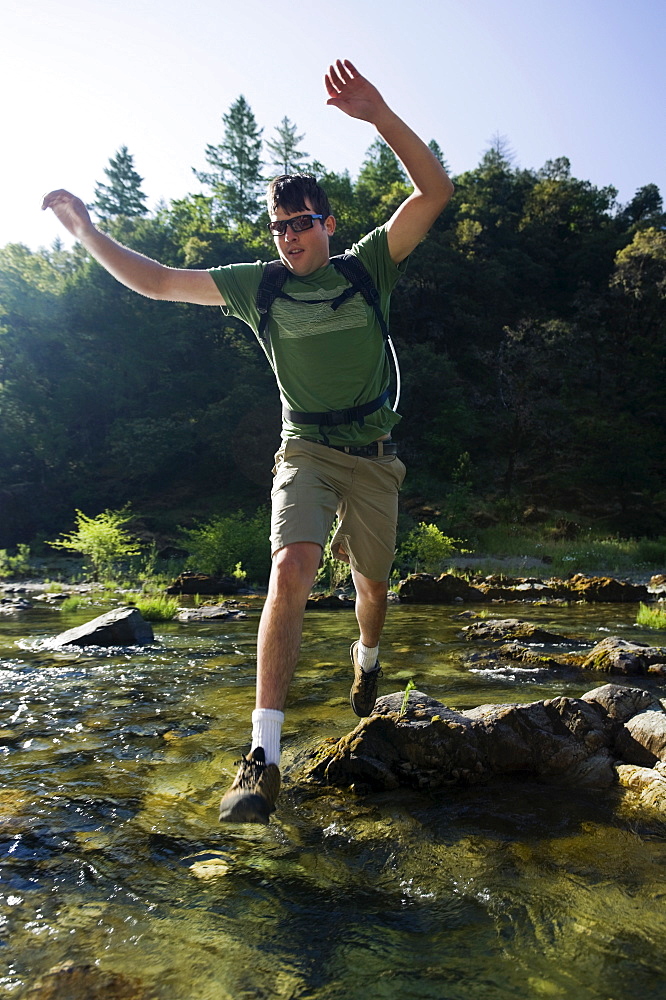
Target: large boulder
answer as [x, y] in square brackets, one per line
[422, 588]
[202, 583]
[430, 746]
[606, 588]
[620, 656]
[611, 736]
[121, 627]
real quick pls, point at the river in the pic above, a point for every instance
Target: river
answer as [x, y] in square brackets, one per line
[112, 766]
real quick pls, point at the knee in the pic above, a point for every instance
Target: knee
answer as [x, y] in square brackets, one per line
[373, 591]
[295, 567]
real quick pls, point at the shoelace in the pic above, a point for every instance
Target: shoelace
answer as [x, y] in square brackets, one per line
[369, 675]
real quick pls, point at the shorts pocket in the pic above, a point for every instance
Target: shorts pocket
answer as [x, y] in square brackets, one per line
[284, 476]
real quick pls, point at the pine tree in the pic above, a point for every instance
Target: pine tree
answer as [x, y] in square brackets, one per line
[123, 194]
[285, 152]
[236, 176]
[381, 169]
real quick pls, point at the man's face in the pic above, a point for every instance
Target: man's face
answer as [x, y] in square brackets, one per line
[307, 251]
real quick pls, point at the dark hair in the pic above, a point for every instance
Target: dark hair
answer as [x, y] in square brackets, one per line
[289, 191]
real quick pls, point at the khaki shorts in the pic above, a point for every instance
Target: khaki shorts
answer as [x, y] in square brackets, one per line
[313, 483]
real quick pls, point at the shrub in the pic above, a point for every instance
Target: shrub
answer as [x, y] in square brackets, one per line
[426, 548]
[18, 565]
[102, 539]
[218, 545]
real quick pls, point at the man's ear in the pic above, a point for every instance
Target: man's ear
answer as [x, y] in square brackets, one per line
[329, 225]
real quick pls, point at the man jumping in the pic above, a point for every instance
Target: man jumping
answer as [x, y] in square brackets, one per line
[336, 457]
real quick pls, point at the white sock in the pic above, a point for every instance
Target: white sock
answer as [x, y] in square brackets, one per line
[367, 656]
[266, 729]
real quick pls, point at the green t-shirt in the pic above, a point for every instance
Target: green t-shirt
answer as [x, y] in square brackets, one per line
[324, 359]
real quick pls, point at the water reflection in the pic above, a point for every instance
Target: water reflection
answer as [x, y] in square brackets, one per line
[111, 767]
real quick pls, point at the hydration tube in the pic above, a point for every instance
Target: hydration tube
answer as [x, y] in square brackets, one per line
[397, 375]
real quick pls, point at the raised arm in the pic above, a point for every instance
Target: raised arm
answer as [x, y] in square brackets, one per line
[348, 90]
[141, 274]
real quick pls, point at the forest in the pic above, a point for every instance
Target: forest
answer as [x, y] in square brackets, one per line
[530, 327]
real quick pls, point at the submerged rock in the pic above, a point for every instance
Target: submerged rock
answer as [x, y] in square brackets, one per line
[70, 981]
[511, 630]
[120, 627]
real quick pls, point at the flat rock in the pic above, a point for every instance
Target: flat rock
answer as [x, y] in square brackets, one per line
[210, 613]
[511, 630]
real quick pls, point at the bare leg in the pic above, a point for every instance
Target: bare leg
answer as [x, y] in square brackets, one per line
[279, 639]
[370, 607]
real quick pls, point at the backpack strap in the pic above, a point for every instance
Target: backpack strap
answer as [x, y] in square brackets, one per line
[360, 281]
[358, 276]
[270, 287]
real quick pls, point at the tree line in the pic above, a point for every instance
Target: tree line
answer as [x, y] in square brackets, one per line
[530, 327]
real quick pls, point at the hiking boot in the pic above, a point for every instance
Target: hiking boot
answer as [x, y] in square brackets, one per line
[251, 798]
[363, 692]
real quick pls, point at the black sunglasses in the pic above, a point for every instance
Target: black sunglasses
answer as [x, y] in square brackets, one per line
[298, 225]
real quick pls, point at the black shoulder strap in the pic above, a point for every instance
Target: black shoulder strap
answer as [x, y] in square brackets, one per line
[347, 264]
[358, 276]
[273, 278]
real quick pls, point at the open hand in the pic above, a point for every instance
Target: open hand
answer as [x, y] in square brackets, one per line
[352, 93]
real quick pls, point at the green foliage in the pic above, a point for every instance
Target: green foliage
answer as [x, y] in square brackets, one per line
[17, 565]
[157, 608]
[651, 617]
[405, 698]
[102, 539]
[333, 573]
[235, 177]
[530, 326]
[285, 154]
[218, 545]
[123, 194]
[426, 548]
[73, 603]
[589, 551]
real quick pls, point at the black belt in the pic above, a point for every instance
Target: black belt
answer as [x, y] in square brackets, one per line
[375, 450]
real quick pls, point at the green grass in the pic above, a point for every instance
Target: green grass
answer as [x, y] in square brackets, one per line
[587, 553]
[73, 603]
[405, 698]
[651, 617]
[157, 608]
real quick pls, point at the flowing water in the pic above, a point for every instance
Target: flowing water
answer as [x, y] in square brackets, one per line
[112, 764]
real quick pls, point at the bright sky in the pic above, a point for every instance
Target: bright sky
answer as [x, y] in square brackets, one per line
[80, 78]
